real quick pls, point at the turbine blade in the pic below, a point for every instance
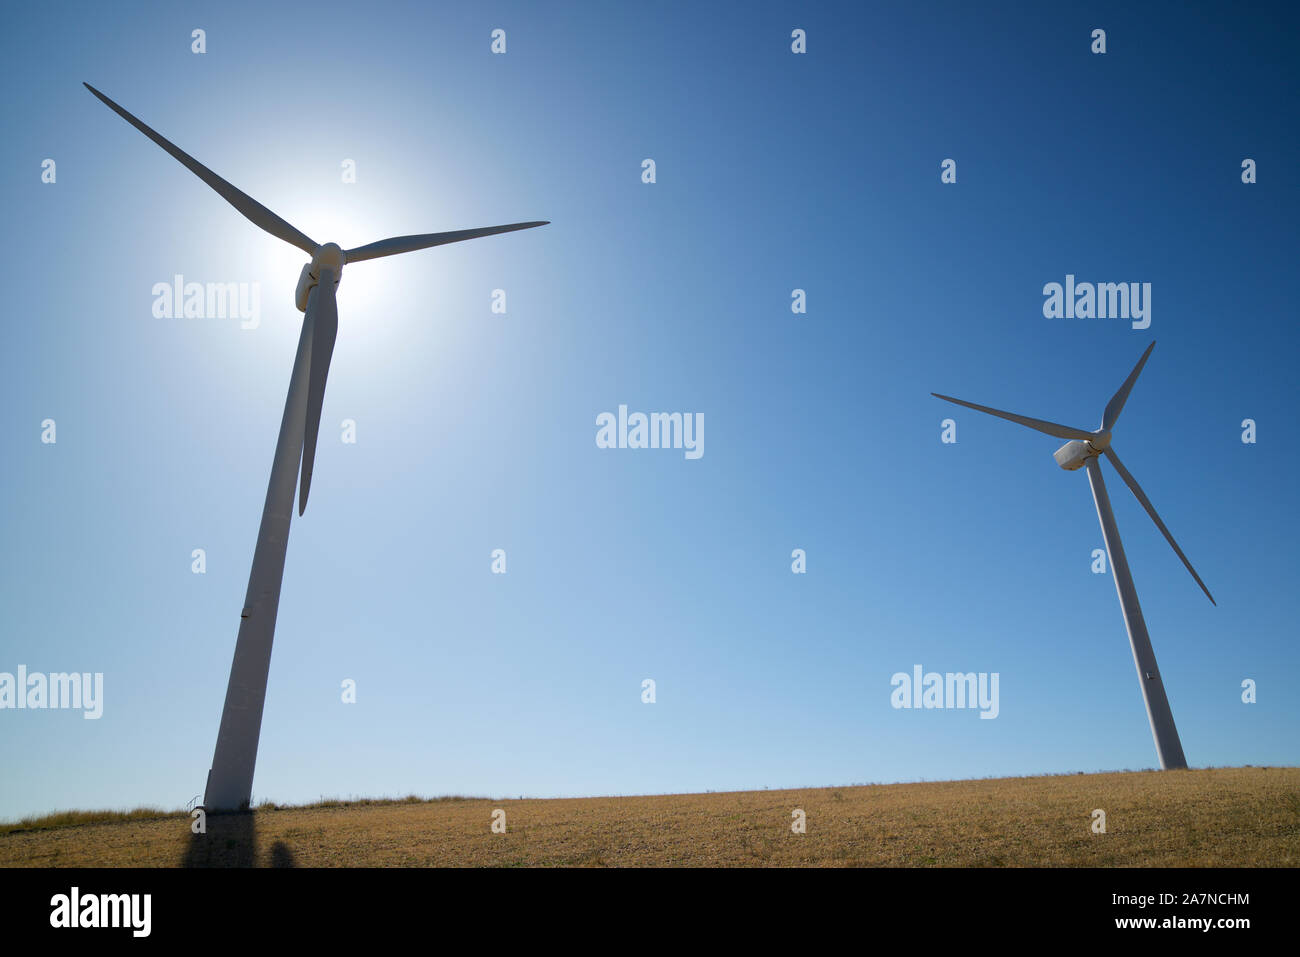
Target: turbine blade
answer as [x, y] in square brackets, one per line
[258, 214]
[1116, 404]
[1136, 489]
[406, 244]
[1051, 428]
[325, 327]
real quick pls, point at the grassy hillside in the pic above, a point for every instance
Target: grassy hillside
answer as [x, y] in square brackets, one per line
[1226, 817]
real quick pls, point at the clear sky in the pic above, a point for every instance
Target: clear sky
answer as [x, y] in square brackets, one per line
[476, 431]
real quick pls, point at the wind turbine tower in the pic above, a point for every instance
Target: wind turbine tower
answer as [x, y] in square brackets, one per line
[1085, 450]
[230, 779]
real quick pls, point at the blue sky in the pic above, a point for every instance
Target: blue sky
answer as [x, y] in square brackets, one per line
[476, 431]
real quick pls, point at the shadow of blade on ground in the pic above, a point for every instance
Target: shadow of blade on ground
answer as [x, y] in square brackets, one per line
[281, 856]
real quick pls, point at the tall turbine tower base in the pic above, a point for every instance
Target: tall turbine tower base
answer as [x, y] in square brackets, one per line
[230, 779]
[1168, 747]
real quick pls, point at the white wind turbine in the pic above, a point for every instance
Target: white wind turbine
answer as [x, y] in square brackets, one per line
[1084, 450]
[230, 779]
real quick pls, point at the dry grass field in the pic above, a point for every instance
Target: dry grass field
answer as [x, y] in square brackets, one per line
[1234, 817]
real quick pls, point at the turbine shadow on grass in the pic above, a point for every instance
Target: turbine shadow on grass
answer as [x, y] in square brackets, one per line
[231, 841]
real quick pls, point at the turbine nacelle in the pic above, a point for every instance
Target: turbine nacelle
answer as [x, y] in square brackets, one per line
[1074, 455]
[330, 256]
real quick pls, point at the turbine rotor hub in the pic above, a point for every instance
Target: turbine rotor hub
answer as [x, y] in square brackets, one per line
[1074, 455]
[331, 257]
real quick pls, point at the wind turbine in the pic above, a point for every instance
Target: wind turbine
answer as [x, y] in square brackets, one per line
[1084, 450]
[230, 779]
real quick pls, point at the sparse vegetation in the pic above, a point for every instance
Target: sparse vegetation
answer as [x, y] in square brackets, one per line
[1234, 817]
[58, 819]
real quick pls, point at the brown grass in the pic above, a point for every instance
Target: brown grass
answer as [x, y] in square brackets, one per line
[57, 819]
[1234, 817]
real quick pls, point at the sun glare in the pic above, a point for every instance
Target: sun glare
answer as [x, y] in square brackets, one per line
[365, 294]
